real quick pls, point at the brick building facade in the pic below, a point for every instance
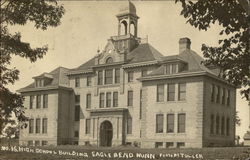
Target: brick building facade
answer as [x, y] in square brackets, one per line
[130, 93]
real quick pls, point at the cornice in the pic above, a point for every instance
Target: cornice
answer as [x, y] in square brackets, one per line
[23, 90]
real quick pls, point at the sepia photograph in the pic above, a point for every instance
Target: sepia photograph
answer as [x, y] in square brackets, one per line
[125, 79]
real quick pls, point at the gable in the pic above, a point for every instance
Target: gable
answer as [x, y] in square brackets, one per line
[111, 53]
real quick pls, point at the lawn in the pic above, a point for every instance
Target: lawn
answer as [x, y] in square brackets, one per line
[121, 153]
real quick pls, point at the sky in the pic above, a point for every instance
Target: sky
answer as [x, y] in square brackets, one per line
[87, 25]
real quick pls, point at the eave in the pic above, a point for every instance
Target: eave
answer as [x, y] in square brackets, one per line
[77, 72]
[140, 64]
[181, 75]
[23, 90]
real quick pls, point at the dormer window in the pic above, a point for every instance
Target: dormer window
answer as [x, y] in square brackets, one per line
[109, 60]
[43, 80]
[39, 83]
[172, 68]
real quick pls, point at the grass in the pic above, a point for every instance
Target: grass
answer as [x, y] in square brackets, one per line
[132, 153]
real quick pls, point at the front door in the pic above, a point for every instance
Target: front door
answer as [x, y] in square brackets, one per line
[106, 134]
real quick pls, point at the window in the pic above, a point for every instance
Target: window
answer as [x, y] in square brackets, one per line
[76, 134]
[44, 125]
[174, 68]
[170, 123]
[223, 96]
[223, 125]
[75, 142]
[30, 143]
[159, 123]
[212, 92]
[88, 81]
[86, 143]
[115, 99]
[38, 122]
[140, 116]
[171, 92]
[77, 113]
[38, 101]
[37, 143]
[171, 68]
[45, 101]
[181, 122]
[44, 143]
[130, 98]
[218, 95]
[101, 103]
[144, 73]
[117, 75]
[109, 76]
[100, 78]
[77, 99]
[169, 144]
[217, 124]
[109, 60]
[130, 76]
[228, 127]
[31, 125]
[77, 82]
[228, 97]
[31, 101]
[87, 130]
[129, 125]
[180, 144]
[88, 101]
[168, 69]
[158, 144]
[212, 124]
[108, 99]
[182, 92]
[160, 93]
[39, 83]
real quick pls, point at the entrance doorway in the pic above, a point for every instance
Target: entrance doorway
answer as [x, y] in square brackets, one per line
[106, 134]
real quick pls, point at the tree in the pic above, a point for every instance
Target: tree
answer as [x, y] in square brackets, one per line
[42, 13]
[232, 54]
[237, 119]
[11, 132]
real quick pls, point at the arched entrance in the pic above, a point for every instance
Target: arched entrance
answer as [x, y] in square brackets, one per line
[106, 134]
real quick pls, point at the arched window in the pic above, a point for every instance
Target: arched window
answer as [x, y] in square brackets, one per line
[124, 27]
[109, 60]
[132, 28]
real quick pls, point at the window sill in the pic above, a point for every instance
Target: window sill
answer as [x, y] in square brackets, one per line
[108, 85]
[219, 135]
[171, 102]
[172, 134]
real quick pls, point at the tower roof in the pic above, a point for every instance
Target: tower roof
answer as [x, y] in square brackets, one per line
[127, 8]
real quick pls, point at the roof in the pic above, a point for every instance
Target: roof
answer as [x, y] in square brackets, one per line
[58, 78]
[188, 56]
[44, 75]
[127, 8]
[144, 52]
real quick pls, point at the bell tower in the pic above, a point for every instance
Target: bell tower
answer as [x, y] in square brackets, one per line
[127, 37]
[127, 20]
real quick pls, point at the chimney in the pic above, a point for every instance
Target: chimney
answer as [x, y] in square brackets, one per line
[184, 43]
